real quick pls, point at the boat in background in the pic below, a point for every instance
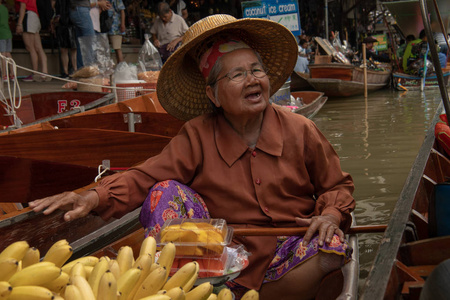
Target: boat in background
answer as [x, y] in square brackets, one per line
[36, 107]
[309, 103]
[346, 80]
[407, 82]
[299, 82]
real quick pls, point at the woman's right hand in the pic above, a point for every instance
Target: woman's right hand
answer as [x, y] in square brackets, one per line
[76, 205]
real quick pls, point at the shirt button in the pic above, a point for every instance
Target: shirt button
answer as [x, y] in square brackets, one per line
[274, 224]
[254, 153]
[258, 181]
[266, 209]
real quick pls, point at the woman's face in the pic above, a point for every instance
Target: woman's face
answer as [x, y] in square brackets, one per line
[247, 98]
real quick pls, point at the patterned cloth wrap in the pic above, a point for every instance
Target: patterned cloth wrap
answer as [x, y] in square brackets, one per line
[170, 199]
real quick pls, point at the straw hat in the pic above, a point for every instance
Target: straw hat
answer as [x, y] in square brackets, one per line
[181, 88]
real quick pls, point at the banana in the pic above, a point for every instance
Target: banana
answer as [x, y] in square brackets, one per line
[59, 254]
[37, 274]
[78, 269]
[99, 269]
[182, 276]
[31, 257]
[5, 289]
[188, 286]
[107, 288]
[88, 270]
[212, 297]
[85, 260]
[125, 258]
[157, 297]
[148, 246]
[72, 292]
[144, 262]
[84, 287]
[152, 283]
[250, 295]
[126, 282]
[161, 292]
[176, 293]
[8, 267]
[16, 250]
[32, 292]
[58, 285]
[225, 294]
[201, 292]
[57, 297]
[167, 257]
[114, 268]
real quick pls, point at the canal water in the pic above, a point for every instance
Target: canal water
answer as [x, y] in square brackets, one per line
[377, 139]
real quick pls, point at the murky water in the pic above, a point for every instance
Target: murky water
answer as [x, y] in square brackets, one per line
[378, 140]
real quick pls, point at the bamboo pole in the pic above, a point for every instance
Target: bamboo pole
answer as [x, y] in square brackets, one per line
[365, 69]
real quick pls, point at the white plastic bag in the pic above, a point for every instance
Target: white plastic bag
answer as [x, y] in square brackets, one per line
[149, 58]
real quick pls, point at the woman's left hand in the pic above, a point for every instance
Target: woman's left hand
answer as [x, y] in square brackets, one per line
[327, 225]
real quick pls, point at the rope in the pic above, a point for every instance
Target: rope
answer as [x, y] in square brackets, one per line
[100, 172]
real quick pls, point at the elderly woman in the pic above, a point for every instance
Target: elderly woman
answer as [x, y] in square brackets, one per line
[237, 158]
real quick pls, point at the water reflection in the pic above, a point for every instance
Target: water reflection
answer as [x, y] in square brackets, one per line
[377, 139]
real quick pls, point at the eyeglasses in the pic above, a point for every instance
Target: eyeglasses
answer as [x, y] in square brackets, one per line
[239, 74]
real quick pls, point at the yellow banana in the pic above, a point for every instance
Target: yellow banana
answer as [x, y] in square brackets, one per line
[37, 274]
[16, 250]
[99, 269]
[126, 282]
[188, 286]
[84, 287]
[57, 297]
[152, 283]
[250, 295]
[114, 268]
[72, 292]
[58, 284]
[8, 267]
[161, 292]
[5, 289]
[201, 292]
[58, 255]
[32, 292]
[107, 288]
[85, 260]
[31, 257]
[176, 293]
[59, 243]
[88, 270]
[144, 262]
[157, 297]
[167, 257]
[212, 297]
[182, 276]
[125, 258]
[78, 269]
[148, 246]
[225, 294]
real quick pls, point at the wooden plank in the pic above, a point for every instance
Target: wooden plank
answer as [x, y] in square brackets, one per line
[426, 252]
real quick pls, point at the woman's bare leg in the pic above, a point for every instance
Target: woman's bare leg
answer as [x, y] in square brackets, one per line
[40, 52]
[303, 281]
[28, 40]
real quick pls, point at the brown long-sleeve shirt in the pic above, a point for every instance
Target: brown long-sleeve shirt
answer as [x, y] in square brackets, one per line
[292, 172]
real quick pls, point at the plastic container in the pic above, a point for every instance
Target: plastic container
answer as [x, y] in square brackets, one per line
[210, 266]
[196, 237]
[134, 89]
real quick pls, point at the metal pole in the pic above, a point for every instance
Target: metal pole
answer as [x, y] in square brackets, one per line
[435, 57]
[365, 69]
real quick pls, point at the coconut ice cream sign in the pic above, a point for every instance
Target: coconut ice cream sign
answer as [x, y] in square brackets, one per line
[284, 12]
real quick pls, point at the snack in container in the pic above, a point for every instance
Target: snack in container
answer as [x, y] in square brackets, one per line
[196, 237]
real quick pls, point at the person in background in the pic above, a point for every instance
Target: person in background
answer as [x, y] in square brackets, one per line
[117, 12]
[439, 38]
[179, 7]
[302, 60]
[401, 49]
[5, 42]
[167, 31]
[408, 55]
[370, 50]
[28, 26]
[237, 158]
[65, 36]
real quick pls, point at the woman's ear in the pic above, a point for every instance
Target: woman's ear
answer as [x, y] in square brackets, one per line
[210, 93]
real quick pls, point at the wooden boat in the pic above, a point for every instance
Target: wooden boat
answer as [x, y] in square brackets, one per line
[35, 107]
[312, 102]
[406, 82]
[299, 82]
[345, 80]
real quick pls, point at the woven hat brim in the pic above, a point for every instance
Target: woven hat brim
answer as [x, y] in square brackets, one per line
[181, 87]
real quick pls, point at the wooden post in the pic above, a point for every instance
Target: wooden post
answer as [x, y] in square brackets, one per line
[365, 69]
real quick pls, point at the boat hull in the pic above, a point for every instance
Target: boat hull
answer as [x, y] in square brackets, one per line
[404, 82]
[313, 102]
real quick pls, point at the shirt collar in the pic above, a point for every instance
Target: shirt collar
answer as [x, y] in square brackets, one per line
[231, 147]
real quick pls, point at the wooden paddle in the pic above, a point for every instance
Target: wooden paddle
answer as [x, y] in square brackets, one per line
[264, 231]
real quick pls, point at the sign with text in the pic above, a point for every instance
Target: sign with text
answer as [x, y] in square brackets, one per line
[382, 44]
[284, 12]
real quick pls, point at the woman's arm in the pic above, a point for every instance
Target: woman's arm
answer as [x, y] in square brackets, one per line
[19, 25]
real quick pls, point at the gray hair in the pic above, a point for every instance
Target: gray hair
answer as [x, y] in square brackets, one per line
[163, 8]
